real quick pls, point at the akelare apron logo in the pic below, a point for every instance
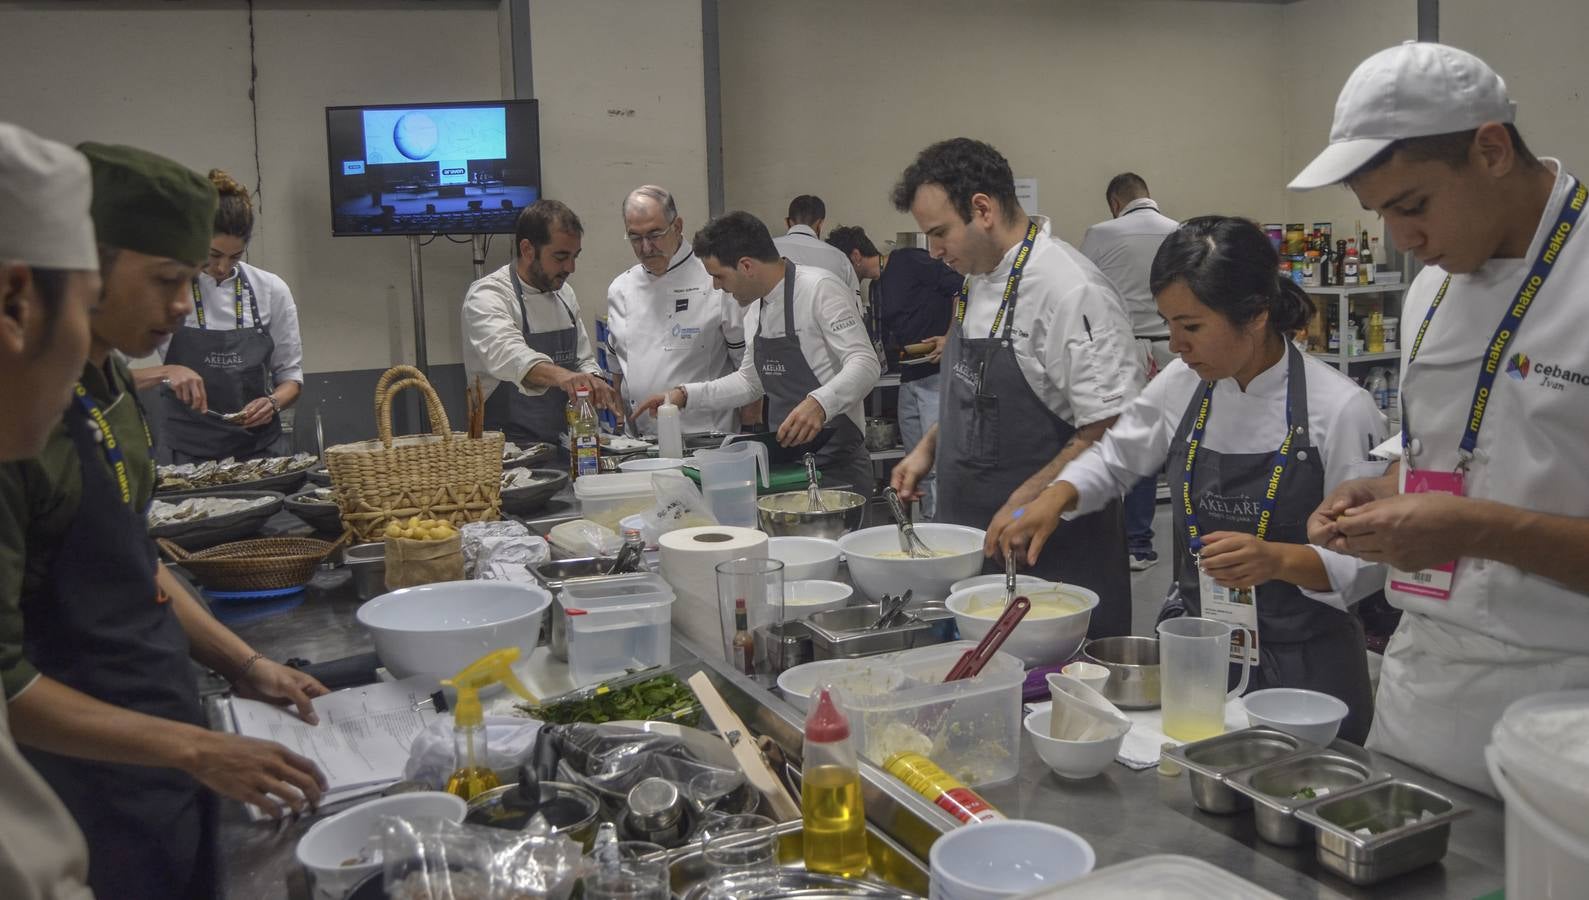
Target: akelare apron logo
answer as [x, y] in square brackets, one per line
[1517, 366]
[772, 367]
[845, 324]
[1237, 507]
[223, 360]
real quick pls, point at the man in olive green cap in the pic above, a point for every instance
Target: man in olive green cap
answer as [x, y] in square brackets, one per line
[95, 636]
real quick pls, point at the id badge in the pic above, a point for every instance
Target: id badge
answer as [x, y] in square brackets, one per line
[1435, 582]
[1237, 608]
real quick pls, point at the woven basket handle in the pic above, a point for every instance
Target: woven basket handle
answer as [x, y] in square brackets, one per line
[177, 554]
[393, 374]
[434, 411]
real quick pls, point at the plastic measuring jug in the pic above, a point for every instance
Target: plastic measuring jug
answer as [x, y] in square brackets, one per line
[728, 481]
[1195, 654]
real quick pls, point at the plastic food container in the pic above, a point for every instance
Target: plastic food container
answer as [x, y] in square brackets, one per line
[971, 728]
[617, 624]
[1161, 877]
[609, 499]
[1541, 769]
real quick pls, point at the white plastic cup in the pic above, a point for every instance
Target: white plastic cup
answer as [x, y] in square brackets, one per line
[1090, 674]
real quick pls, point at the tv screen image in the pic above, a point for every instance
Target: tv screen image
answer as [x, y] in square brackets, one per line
[437, 168]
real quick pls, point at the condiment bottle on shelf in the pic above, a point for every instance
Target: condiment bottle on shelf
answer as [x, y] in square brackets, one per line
[830, 792]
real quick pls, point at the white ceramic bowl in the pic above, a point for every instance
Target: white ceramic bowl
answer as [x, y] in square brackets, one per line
[438, 629]
[807, 597]
[649, 464]
[1038, 642]
[929, 579]
[1022, 582]
[798, 683]
[330, 842]
[805, 558]
[1309, 715]
[1006, 859]
[1072, 759]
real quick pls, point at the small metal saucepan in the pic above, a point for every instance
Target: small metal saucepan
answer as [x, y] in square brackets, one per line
[1133, 664]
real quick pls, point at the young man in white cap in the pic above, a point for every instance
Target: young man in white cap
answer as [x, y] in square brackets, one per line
[1482, 517]
[49, 280]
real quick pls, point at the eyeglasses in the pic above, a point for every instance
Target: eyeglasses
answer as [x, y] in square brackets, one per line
[654, 237]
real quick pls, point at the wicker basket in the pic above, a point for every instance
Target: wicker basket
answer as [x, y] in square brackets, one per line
[441, 475]
[261, 564]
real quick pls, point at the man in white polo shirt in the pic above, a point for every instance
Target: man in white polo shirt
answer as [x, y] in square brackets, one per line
[1482, 518]
[803, 242]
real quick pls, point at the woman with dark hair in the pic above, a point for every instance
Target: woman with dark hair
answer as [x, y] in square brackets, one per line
[237, 361]
[1256, 433]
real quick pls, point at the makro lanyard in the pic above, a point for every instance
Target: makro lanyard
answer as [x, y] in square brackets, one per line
[1011, 287]
[1510, 323]
[237, 301]
[112, 447]
[1271, 496]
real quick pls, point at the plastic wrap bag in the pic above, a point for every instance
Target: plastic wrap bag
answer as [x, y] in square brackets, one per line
[431, 758]
[513, 573]
[507, 541]
[679, 504]
[583, 537]
[434, 859]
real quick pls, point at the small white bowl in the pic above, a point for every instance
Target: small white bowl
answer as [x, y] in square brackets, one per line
[650, 464]
[1006, 859]
[1092, 675]
[1022, 582]
[796, 684]
[332, 841]
[807, 597]
[1309, 715]
[805, 558]
[1072, 759]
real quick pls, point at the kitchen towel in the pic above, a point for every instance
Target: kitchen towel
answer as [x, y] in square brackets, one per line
[689, 563]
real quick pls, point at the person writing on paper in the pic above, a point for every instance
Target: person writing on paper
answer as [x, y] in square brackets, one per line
[237, 360]
[97, 639]
[49, 281]
[1483, 519]
[809, 352]
[1254, 433]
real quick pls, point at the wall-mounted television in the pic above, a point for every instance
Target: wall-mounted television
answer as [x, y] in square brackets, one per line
[432, 168]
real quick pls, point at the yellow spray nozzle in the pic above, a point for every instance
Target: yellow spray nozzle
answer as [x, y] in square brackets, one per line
[495, 667]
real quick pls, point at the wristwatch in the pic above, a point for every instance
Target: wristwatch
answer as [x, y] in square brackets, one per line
[273, 404]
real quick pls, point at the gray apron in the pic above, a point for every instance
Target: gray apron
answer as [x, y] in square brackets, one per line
[527, 420]
[787, 379]
[235, 366]
[993, 434]
[1302, 643]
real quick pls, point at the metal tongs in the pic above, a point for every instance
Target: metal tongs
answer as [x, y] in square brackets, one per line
[1009, 578]
[891, 611]
[813, 489]
[909, 542]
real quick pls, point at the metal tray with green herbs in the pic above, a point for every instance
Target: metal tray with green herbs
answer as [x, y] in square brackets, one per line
[655, 695]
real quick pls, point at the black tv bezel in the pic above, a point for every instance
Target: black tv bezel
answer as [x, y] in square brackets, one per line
[332, 172]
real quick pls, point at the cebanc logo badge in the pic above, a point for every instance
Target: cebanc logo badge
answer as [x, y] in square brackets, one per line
[1546, 375]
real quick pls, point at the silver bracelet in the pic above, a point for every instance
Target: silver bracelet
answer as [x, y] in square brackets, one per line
[247, 665]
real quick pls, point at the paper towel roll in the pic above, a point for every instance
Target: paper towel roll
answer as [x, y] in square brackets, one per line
[689, 563]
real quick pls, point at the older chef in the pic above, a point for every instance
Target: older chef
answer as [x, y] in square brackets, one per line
[809, 353]
[522, 334]
[1040, 361]
[667, 325]
[48, 283]
[1482, 519]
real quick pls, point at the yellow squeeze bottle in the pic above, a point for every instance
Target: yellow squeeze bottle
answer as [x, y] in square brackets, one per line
[830, 793]
[473, 777]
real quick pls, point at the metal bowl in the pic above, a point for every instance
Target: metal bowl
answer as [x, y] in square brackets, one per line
[524, 501]
[789, 514]
[1133, 664]
[367, 562]
[575, 816]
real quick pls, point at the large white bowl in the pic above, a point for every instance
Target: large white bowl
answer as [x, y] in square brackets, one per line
[798, 683]
[1006, 859]
[805, 558]
[929, 579]
[1309, 715]
[650, 464]
[438, 629]
[1073, 759]
[1022, 582]
[332, 841]
[805, 598]
[1038, 642]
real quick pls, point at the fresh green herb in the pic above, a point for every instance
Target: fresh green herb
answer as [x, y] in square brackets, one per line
[663, 698]
[1306, 793]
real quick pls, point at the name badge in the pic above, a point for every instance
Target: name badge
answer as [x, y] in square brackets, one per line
[682, 304]
[1236, 607]
[1435, 582]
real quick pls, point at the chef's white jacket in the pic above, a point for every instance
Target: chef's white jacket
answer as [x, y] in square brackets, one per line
[833, 341]
[803, 246]
[1343, 424]
[276, 309]
[1072, 339]
[671, 329]
[1123, 249]
[493, 342]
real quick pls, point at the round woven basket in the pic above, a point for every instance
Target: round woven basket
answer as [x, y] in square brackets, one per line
[261, 564]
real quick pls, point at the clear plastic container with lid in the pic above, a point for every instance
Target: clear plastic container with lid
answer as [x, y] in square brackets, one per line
[617, 624]
[1161, 877]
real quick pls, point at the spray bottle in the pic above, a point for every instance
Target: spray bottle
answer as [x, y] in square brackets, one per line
[473, 776]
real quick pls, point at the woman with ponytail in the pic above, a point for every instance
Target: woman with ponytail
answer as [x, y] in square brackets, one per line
[1239, 405]
[237, 360]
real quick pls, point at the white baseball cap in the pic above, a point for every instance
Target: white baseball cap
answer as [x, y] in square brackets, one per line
[1415, 89]
[45, 190]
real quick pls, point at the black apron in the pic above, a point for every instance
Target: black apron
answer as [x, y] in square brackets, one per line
[527, 420]
[1302, 643]
[993, 434]
[236, 368]
[787, 379]
[99, 626]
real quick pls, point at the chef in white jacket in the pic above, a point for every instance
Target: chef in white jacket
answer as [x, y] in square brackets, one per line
[1483, 518]
[666, 324]
[1241, 405]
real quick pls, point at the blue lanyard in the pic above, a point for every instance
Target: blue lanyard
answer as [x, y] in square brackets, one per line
[112, 447]
[1510, 323]
[1011, 287]
[1271, 497]
[237, 301]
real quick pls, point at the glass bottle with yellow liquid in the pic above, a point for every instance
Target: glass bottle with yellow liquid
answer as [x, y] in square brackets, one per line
[833, 816]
